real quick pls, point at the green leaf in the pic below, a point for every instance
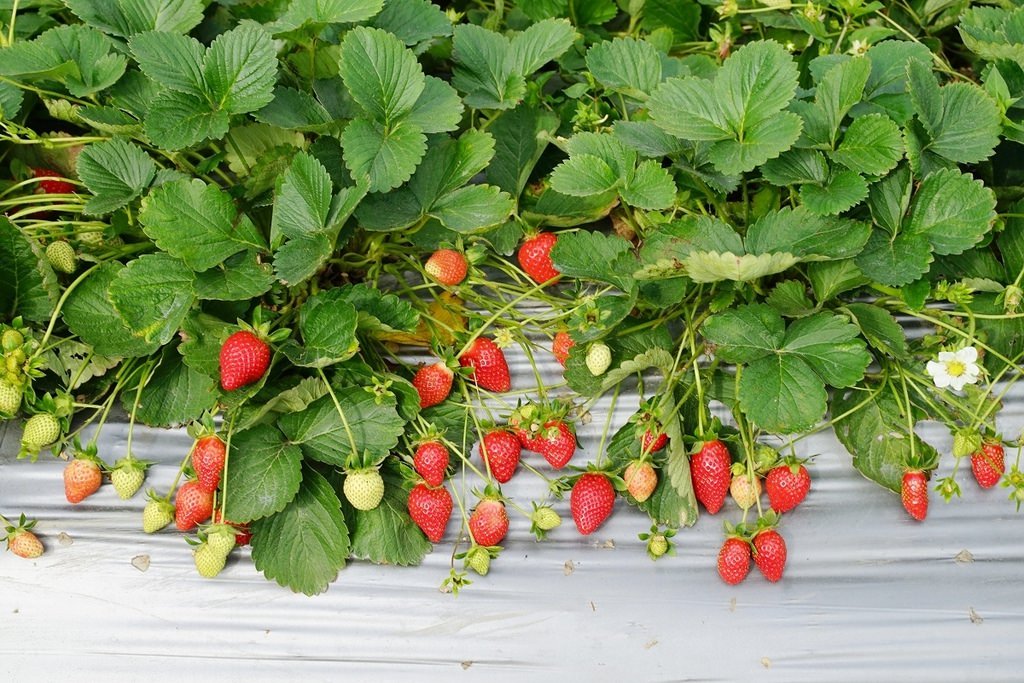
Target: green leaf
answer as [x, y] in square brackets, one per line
[80, 58]
[413, 21]
[10, 101]
[782, 394]
[830, 345]
[790, 299]
[240, 69]
[319, 13]
[116, 172]
[386, 534]
[539, 44]
[153, 294]
[895, 261]
[763, 140]
[519, 142]
[840, 88]
[483, 68]
[304, 545]
[378, 311]
[174, 61]
[844, 190]
[249, 143]
[831, 278]
[374, 422]
[962, 120]
[797, 167]
[804, 234]
[648, 139]
[584, 175]
[438, 109]
[746, 333]
[472, 208]
[303, 200]
[889, 199]
[197, 223]
[387, 158]
[300, 258]
[90, 314]
[877, 436]
[627, 65]
[953, 210]
[30, 288]
[703, 120]
[649, 187]
[595, 256]
[174, 395]
[295, 110]
[754, 85]
[241, 277]
[264, 474]
[450, 164]
[202, 336]
[872, 145]
[681, 16]
[177, 120]
[328, 333]
[381, 74]
[125, 18]
[879, 328]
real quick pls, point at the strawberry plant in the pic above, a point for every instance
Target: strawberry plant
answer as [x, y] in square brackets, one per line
[346, 245]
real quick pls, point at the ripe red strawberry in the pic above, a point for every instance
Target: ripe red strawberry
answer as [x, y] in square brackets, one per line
[244, 358]
[641, 479]
[489, 522]
[208, 461]
[447, 266]
[500, 451]
[734, 560]
[652, 442]
[430, 509]
[560, 346]
[433, 383]
[556, 442]
[192, 506]
[24, 543]
[787, 488]
[82, 478]
[431, 462]
[710, 470]
[915, 494]
[535, 257]
[988, 464]
[53, 185]
[770, 554]
[591, 501]
[489, 367]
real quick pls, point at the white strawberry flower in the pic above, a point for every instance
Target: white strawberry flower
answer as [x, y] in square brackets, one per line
[955, 369]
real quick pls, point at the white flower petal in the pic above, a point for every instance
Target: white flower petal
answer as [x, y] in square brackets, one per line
[958, 383]
[946, 356]
[942, 380]
[967, 355]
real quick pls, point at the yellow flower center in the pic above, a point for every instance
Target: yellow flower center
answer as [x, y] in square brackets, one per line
[955, 368]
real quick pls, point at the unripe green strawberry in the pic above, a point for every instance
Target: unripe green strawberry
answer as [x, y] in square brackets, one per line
[40, 430]
[479, 560]
[657, 545]
[599, 357]
[61, 256]
[965, 442]
[364, 488]
[209, 560]
[91, 239]
[157, 514]
[11, 339]
[545, 518]
[128, 476]
[221, 538]
[10, 398]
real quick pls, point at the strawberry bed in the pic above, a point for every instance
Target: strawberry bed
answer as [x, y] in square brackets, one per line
[314, 234]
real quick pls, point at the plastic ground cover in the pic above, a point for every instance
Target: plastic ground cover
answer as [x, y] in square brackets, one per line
[868, 592]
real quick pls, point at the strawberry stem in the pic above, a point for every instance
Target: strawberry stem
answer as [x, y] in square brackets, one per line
[341, 413]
